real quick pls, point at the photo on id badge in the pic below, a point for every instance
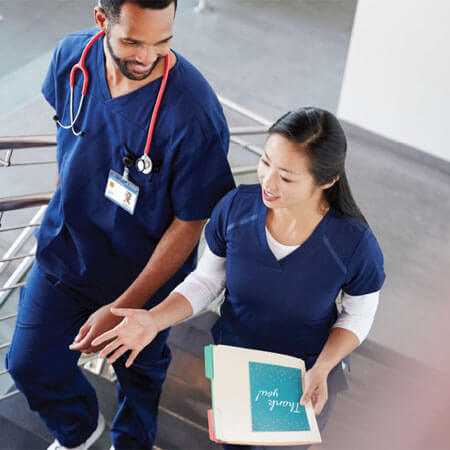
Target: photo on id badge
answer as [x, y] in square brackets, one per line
[127, 198]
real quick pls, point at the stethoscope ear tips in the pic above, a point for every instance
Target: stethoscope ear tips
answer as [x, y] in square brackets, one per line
[81, 133]
[56, 118]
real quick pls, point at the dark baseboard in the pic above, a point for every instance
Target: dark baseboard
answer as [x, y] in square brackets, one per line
[404, 150]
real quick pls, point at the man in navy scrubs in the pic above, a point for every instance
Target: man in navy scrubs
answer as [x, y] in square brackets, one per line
[96, 251]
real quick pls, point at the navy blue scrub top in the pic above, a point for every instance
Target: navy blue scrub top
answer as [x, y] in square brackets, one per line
[88, 242]
[287, 306]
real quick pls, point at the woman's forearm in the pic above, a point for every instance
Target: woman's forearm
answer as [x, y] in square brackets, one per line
[174, 309]
[340, 343]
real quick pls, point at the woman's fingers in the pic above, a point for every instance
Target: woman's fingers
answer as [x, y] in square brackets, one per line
[131, 358]
[319, 402]
[110, 348]
[306, 397]
[308, 392]
[117, 354]
[106, 336]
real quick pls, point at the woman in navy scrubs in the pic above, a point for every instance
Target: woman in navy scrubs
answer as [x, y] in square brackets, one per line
[284, 250]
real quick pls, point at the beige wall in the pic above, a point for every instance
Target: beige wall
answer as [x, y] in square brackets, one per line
[397, 78]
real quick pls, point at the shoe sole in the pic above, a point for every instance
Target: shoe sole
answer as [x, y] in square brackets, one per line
[97, 433]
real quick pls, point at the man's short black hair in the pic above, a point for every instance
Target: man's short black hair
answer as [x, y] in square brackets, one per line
[112, 8]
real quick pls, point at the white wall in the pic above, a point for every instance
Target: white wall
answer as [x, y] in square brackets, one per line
[397, 78]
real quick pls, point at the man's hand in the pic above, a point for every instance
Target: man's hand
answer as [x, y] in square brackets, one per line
[99, 322]
[316, 389]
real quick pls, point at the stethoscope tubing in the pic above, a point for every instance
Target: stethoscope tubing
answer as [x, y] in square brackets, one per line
[81, 66]
[157, 104]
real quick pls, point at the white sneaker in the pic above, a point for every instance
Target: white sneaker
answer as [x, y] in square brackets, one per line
[87, 444]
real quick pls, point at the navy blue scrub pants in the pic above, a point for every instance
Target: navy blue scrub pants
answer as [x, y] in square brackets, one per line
[45, 370]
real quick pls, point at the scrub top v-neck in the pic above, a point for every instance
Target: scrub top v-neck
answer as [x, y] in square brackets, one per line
[302, 249]
[88, 242]
[287, 306]
[133, 98]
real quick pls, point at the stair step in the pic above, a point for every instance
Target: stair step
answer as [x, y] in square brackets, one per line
[188, 368]
[186, 401]
[193, 335]
[204, 321]
[16, 411]
[189, 339]
[389, 404]
[15, 437]
[176, 434]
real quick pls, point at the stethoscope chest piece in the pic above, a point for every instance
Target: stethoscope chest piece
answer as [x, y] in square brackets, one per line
[144, 164]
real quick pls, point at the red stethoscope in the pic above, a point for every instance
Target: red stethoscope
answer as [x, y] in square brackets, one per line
[143, 163]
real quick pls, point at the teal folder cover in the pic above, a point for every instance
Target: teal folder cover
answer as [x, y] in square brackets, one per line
[275, 394]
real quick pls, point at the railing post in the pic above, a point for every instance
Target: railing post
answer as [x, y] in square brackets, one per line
[202, 6]
[23, 237]
[7, 161]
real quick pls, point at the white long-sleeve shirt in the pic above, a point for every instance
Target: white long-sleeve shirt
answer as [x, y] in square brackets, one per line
[204, 285]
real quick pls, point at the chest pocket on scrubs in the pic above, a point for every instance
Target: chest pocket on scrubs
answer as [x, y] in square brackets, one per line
[148, 190]
[147, 183]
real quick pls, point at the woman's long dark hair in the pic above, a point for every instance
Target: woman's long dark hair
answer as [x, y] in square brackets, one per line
[322, 137]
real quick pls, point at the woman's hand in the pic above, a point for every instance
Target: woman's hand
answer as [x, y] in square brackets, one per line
[315, 389]
[137, 329]
[98, 322]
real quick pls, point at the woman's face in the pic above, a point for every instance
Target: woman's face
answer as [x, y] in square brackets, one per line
[283, 173]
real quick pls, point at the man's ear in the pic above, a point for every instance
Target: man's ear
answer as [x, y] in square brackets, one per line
[100, 18]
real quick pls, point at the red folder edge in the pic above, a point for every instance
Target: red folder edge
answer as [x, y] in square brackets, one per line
[212, 437]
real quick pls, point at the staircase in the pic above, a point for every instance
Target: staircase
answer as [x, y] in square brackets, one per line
[186, 397]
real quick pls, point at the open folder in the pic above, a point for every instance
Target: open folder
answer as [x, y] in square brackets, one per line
[255, 398]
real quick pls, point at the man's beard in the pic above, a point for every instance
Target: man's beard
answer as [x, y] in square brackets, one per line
[123, 64]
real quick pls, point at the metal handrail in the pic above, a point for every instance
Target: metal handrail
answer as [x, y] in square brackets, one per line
[12, 286]
[25, 201]
[10, 316]
[250, 147]
[5, 345]
[19, 227]
[245, 112]
[256, 129]
[32, 163]
[21, 240]
[21, 142]
[16, 258]
[241, 170]
[9, 394]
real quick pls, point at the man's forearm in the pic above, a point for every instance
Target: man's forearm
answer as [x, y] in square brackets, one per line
[169, 255]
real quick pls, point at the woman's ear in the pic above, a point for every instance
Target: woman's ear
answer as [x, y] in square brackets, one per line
[331, 183]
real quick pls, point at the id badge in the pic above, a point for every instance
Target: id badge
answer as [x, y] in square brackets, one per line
[121, 191]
